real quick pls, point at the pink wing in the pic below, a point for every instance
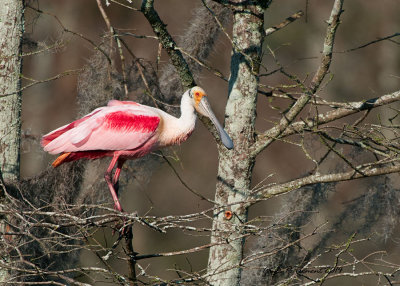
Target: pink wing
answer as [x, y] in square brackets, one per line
[115, 127]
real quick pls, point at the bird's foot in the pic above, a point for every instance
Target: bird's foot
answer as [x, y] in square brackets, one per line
[124, 226]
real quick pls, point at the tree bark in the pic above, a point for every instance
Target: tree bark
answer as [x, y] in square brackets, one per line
[235, 166]
[11, 29]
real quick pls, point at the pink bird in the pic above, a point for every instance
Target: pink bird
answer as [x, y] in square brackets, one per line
[128, 130]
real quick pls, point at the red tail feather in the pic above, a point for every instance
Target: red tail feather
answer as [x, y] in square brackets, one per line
[72, 156]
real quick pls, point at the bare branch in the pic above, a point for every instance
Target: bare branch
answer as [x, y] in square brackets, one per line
[297, 127]
[333, 24]
[97, 47]
[368, 171]
[112, 33]
[168, 43]
[36, 82]
[282, 25]
[352, 108]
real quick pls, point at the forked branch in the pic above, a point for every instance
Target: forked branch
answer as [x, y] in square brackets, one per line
[263, 141]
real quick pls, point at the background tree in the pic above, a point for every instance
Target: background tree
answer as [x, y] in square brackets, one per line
[305, 139]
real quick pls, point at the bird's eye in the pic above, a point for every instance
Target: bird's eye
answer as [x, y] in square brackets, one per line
[197, 94]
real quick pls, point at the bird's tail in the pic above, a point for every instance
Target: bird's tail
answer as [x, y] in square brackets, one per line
[61, 159]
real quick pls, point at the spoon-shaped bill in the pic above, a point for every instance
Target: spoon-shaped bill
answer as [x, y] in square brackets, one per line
[205, 109]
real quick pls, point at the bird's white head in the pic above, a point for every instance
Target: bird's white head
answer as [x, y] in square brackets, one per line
[200, 102]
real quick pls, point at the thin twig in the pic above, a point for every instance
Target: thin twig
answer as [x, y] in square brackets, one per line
[125, 6]
[371, 43]
[184, 183]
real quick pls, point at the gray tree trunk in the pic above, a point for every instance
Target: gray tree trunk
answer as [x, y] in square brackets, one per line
[235, 166]
[11, 29]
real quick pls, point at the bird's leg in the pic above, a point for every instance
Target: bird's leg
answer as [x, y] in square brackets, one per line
[113, 186]
[115, 181]
[107, 177]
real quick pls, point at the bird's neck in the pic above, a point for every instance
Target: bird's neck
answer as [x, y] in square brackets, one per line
[177, 130]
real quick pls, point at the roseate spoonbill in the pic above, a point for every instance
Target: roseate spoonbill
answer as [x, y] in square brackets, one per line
[128, 130]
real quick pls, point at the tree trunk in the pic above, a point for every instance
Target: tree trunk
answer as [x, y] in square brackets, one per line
[11, 29]
[235, 166]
